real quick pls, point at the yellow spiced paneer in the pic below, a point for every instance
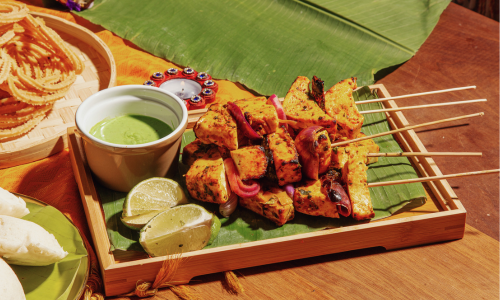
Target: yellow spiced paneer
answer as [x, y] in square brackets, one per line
[251, 162]
[355, 180]
[261, 116]
[339, 156]
[310, 200]
[196, 149]
[206, 180]
[339, 104]
[285, 156]
[298, 106]
[273, 204]
[217, 127]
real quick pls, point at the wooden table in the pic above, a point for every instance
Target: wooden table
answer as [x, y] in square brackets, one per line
[462, 50]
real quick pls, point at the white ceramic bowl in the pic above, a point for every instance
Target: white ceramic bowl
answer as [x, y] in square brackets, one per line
[121, 167]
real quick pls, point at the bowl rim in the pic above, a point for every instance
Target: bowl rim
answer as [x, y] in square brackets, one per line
[102, 93]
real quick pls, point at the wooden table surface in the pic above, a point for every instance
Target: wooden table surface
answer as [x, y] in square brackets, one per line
[462, 50]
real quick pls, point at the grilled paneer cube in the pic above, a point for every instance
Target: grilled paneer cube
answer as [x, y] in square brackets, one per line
[355, 180]
[299, 107]
[370, 145]
[206, 180]
[285, 156]
[217, 127]
[324, 150]
[310, 200]
[196, 149]
[339, 104]
[261, 116]
[274, 204]
[250, 161]
[339, 156]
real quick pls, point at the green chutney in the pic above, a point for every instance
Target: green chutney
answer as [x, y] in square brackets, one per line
[130, 130]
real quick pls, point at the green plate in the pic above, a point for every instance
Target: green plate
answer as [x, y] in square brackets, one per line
[65, 279]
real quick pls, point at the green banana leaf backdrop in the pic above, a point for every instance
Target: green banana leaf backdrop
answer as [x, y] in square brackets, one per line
[266, 44]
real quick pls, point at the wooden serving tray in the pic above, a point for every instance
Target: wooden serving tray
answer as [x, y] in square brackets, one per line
[49, 137]
[441, 219]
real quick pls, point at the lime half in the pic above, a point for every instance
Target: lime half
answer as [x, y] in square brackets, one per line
[178, 230]
[150, 197]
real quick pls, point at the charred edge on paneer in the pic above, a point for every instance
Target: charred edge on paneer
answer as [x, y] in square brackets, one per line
[310, 200]
[273, 204]
[318, 91]
[250, 161]
[355, 180]
[206, 180]
[271, 169]
[196, 149]
[339, 104]
[285, 157]
[298, 107]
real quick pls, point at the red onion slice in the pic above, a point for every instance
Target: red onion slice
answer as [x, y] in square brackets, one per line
[279, 108]
[242, 122]
[336, 193]
[290, 190]
[247, 185]
[234, 177]
[309, 158]
[226, 209]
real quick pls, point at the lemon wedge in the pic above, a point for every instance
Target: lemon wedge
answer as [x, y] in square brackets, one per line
[150, 197]
[178, 230]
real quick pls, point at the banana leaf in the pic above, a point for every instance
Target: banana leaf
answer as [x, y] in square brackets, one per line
[245, 226]
[266, 44]
[66, 278]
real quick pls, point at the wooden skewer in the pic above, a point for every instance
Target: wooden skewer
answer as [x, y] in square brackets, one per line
[433, 178]
[416, 95]
[420, 106]
[396, 154]
[404, 129]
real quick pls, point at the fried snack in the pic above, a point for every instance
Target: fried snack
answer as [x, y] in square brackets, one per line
[8, 134]
[37, 68]
[12, 12]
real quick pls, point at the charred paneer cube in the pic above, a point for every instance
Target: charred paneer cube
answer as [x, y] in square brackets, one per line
[196, 149]
[273, 204]
[217, 127]
[355, 181]
[310, 200]
[285, 156]
[251, 162]
[206, 180]
[298, 106]
[339, 104]
[261, 116]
